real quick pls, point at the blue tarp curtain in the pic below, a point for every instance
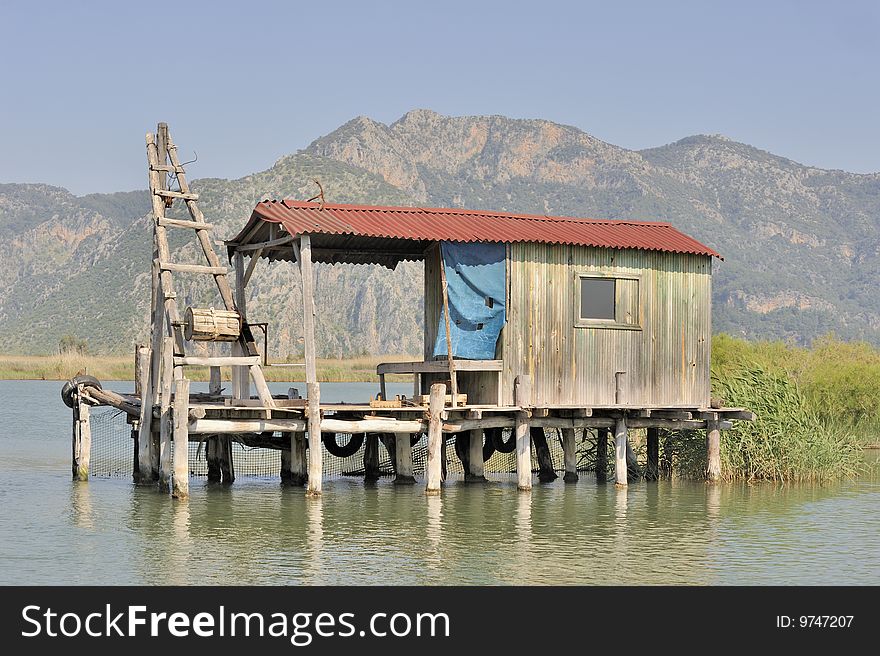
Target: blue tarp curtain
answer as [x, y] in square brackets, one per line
[477, 283]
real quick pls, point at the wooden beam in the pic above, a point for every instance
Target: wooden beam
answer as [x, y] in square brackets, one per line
[620, 440]
[475, 456]
[146, 416]
[180, 489]
[165, 193]
[260, 245]
[438, 366]
[184, 223]
[241, 384]
[713, 434]
[192, 268]
[165, 417]
[403, 460]
[316, 467]
[251, 266]
[569, 451]
[652, 470]
[435, 439]
[220, 361]
[450, 359]
[82, 438]
[308, 299]
[522, 394]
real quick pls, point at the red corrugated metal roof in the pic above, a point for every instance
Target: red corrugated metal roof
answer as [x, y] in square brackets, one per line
[444, 224]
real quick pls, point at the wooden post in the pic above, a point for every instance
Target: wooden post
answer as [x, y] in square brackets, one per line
[212, 456]
[241, 374]
[316, 472]
[227, 464]
[403, 461]
[713, 434]
[436, 401]
[620, 435]
[298, 475]
[180, 486]
[144, 422]
[522, 394]
[449, 356]
[475, 456]
[652, 470]
[546, 471]
[316, 466]
[371, 457]
[165, 418]
[82, 439]
[215, 386]
[569, 450]
[602, 455]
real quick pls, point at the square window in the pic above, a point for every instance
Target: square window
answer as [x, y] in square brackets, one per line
[597, 298]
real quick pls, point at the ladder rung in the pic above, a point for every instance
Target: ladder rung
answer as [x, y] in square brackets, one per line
[178, 223]
[231, 361]
[192, 268]
[167, 168]
[175, 194]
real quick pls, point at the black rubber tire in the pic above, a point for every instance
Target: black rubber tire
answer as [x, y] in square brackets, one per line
[498, 440]
[353, 446]
[69, 389]
[462, 447]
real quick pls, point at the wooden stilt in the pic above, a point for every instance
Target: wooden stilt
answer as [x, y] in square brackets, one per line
[144, 421]
[522, 394]
[227, 465]
[546, 471]
[713, 434]
[403, 460]
[620, 435]
[180, 482]
[569, 450]
[316, 471]
[155, 437]
[241, 373]
[298, 472]
[165, 418]
[632, 463]
[602, 455]
[82, 440]
[212, 456]
[215, 386]
[371, 457]
[475, 471]
[652, 469]
[286, 472]
[435, 438]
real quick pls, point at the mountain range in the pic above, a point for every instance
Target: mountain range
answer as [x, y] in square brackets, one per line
[801, 245]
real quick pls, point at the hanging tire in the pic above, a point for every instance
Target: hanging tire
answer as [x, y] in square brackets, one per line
[69, 389]
[343, 451]
[498, 440]
[462, 447]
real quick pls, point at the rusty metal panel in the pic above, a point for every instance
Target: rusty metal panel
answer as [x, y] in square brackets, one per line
[666, 360]
[439, 224]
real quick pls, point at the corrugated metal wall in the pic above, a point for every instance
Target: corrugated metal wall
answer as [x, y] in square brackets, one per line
[666, 361]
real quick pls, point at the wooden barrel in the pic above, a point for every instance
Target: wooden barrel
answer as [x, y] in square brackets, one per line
[210, 325]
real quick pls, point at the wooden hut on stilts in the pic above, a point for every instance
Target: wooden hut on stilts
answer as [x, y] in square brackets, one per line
[530, 322]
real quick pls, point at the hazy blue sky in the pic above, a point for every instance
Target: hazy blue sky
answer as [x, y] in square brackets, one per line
[245, 82]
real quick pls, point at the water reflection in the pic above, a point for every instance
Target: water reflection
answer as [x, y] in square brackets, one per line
[81, 504]
[315, 550]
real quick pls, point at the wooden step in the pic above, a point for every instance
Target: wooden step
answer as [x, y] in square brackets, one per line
[230, 361]
[192, 268]
[178, 223]
[175, 194]
[168, 168]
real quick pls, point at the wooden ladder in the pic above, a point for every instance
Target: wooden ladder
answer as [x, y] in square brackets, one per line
[164, 163]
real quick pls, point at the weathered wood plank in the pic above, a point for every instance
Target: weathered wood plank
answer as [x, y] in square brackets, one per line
[180, 484]
[192, 268]
[184, 223]
[165, 417]
[435, 440]
[220, 361]
[522, 391]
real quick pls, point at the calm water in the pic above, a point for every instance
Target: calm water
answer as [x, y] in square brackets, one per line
[108, 532]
